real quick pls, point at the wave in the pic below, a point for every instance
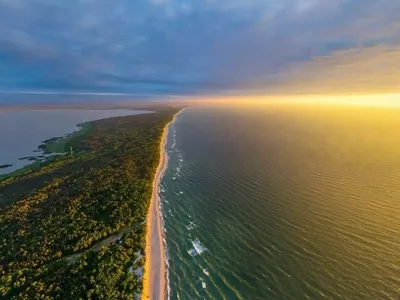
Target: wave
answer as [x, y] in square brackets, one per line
[161, 189]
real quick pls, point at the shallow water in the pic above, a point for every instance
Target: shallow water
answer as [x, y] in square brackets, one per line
[289, 202]
[21, 132]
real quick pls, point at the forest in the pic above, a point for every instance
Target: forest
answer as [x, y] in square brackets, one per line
[74, 227]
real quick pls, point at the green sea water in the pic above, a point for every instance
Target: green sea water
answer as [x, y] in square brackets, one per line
[287, 202]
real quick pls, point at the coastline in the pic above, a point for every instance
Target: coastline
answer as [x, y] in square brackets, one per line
[155, 270]
[46, 143]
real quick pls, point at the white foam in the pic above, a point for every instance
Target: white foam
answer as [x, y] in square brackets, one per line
[170, 129]
[191, 226]
[197, 249]
[192, 252]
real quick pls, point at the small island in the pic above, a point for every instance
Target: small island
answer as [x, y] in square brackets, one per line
[31, 158]
[5, 166]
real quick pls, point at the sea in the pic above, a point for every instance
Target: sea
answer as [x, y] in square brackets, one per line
[22, 131]
[283, 202]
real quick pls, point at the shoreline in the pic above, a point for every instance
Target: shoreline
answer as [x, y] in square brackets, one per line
[49, 144]
[155, 270]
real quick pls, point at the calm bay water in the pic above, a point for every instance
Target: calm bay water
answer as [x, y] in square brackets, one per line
[289, 202]
[21, 132]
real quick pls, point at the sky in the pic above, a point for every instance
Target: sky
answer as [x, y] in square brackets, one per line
[200, 47]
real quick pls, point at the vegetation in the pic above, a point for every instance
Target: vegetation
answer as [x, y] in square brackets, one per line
[73, 227]
[32, 166]
[61, 144]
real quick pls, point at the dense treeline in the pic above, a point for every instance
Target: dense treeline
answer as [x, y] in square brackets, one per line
[51, 216]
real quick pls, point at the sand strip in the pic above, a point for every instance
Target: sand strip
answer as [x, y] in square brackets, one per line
[154, 280]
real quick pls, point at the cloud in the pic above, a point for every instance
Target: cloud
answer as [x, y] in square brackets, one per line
[158, 2]
[196, 47]
[360, 70]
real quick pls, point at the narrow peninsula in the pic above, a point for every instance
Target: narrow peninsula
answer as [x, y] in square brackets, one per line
[74, 227]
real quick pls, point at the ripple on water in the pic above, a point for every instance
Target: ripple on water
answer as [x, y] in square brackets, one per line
[283, 216]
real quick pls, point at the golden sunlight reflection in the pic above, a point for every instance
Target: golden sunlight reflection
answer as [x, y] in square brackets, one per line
[378, 100]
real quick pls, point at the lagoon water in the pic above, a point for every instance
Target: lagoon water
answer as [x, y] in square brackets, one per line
[289, 203]
[21, 132]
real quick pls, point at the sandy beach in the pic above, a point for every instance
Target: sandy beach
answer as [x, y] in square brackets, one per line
[154, 280]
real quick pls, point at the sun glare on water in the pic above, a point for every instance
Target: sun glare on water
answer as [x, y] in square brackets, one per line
[379, 100]
[376, 100]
